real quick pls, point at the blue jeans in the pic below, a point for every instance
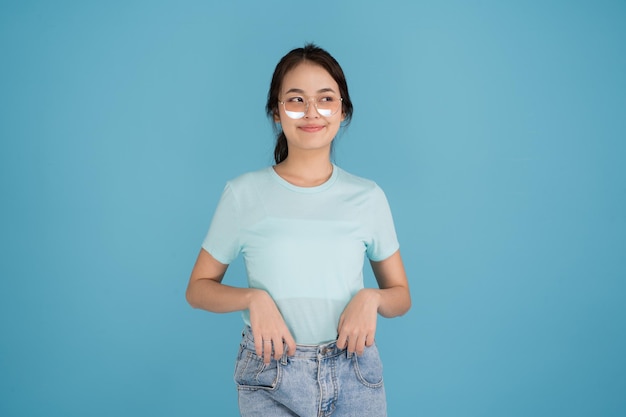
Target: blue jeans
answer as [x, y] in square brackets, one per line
[320, 380]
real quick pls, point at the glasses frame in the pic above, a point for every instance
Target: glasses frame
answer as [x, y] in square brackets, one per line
[301, 115]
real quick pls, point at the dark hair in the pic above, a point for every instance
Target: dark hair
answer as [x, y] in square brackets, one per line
[316, 55]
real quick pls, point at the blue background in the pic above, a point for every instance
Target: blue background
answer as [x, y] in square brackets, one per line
[497, 130]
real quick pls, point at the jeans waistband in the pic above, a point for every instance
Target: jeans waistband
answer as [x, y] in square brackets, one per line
[328, 349]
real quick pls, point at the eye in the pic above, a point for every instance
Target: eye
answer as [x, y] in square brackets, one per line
[327, 99]
[295, 99]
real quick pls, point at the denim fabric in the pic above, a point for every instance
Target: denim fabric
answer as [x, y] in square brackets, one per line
[320, 380]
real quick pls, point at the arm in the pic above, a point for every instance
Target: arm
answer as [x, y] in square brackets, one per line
[357, 324]
[395, 299]
[206, 291]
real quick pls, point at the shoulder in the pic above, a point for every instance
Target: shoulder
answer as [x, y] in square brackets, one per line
[358, 184]
[252, 179]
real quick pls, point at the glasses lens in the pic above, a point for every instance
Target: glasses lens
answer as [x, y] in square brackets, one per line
[328, 105]
[296, 107]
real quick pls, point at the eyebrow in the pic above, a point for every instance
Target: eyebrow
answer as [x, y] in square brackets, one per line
[300, 91]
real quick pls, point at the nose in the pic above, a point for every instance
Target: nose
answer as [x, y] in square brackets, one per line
[311, 107]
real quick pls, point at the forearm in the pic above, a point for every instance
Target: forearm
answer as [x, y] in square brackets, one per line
[393, 302]
[210, 295]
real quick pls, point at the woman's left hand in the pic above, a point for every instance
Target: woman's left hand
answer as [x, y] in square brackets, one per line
[357, 324]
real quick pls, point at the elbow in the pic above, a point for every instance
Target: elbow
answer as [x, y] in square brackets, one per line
[407, 306]
[397, 309]
[407, 303]
[190, 297]
[402, 309]
[403, 306]
[397, 304]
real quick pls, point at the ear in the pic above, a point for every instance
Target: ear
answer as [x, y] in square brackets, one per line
[276, 116]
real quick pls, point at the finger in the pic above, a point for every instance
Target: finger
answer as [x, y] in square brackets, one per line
[258, 344]
[369, 340]
[352, 341]
[267, 351]
[342, 338]
[290, 345]
[360, 346]
[342, 341]
[278, 349]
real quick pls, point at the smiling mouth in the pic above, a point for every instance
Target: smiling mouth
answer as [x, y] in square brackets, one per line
[312, 128]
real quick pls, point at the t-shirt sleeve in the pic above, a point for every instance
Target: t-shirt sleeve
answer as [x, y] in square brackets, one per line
[222, 240]
[383, 241]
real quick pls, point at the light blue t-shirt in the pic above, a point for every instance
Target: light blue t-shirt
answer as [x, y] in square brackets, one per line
[304, 245]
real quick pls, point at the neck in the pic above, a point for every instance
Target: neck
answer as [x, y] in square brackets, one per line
[305, 170]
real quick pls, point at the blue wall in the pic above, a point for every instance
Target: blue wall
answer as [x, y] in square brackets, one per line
[497, 130]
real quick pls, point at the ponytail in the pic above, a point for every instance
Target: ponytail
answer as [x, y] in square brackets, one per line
[281, 150]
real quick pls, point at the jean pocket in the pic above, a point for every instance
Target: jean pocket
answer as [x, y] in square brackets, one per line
[252, 374]
[369, 368]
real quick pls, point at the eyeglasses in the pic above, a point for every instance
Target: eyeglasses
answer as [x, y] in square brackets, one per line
[326, 105]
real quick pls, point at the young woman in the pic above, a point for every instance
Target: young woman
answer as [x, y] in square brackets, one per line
[303, 227]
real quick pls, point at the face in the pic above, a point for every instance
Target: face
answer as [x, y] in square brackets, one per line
[308, 81]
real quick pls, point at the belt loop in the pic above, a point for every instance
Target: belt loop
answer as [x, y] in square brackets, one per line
[349, 354]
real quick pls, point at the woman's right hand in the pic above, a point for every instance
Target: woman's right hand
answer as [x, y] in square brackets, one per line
[206, 291]
[268, 327]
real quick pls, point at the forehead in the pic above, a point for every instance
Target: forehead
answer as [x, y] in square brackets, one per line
[309, 78]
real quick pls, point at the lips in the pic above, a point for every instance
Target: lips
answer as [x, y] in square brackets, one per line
[311, 128]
